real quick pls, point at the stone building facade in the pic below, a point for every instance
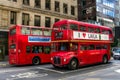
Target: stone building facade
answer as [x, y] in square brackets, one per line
[27, 12]
[33, 13]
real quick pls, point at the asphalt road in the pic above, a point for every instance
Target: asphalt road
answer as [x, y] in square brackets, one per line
[110, 71]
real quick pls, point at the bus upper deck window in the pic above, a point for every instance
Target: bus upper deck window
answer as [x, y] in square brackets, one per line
[63, 27]
[13, 31]
[110, 32]
[73, 26]
[90, 29]
[47, 32]
[97, 30]
[36, 31]
[105, 31]
[25, 30]
[82, 28]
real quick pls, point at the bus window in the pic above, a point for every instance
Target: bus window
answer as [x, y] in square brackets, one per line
[25, 30]
[40, 49]
[47, 49]
[47, 32]
[36, 31]
[73, 46]
[63, 46]
[91, 47]
[105, 31]
[35, 49]
[27, 49]
[109, 32]
[90, 29]
[73, 26]
[82, 28]
[12, 31]
[63, 27]
[98, 47]
[97, 30]
[83, 47]
[104, 47]
[12, 46]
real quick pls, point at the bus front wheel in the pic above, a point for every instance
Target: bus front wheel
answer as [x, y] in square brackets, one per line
[36, 61]
[73, 64]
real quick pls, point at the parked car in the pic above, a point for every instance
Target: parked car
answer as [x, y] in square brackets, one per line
[116, 54]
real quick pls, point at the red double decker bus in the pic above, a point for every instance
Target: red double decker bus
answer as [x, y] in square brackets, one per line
[29, 45]
[77, 44]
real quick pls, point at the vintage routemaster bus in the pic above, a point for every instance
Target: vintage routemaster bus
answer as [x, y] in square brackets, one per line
[29, 45]
[77, 44]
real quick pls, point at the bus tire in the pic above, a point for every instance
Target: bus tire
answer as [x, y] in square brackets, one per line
[36, 61]
[105, 59]
[73, 64]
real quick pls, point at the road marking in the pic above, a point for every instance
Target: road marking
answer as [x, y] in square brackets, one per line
[27, 75]
[51, 70]
[118, 70]
[5, 71]
[68, 78]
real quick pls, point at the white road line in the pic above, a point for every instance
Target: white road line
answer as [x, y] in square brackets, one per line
[118, 70]
[13, 70]
[51, 70]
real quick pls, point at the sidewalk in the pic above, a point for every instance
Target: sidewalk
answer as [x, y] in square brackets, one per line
[4, 63]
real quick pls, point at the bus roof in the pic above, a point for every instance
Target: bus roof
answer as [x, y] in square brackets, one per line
[41, 27]
[65, 21]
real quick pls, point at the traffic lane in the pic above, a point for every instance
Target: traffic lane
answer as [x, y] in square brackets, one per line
[46, 72]
[112, 73]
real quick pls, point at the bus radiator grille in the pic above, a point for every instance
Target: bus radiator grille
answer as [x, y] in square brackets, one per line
[56, 60]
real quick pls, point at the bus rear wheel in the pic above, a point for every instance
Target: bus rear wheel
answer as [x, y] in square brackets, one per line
[36, 61]
[105, 59]
[73, 64]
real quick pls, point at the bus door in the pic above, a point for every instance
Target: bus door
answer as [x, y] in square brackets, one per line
[82, 55]
[46, 54]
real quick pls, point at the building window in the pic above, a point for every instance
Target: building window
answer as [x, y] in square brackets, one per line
[25, 19]
[84, 12]
[13, 17]
[14, 0]
[65, 8]
[47, 21]
[37, 3]
[57, 6]
[56, 20]
[47, 4]
[83, 3]
[26, 2]
[37, 20]
[72, 10]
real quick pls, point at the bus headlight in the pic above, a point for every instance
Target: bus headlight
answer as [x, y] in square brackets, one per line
[51, 58]
[64, 59]
[14, 50]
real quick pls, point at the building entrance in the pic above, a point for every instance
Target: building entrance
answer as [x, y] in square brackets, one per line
[2, 51]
